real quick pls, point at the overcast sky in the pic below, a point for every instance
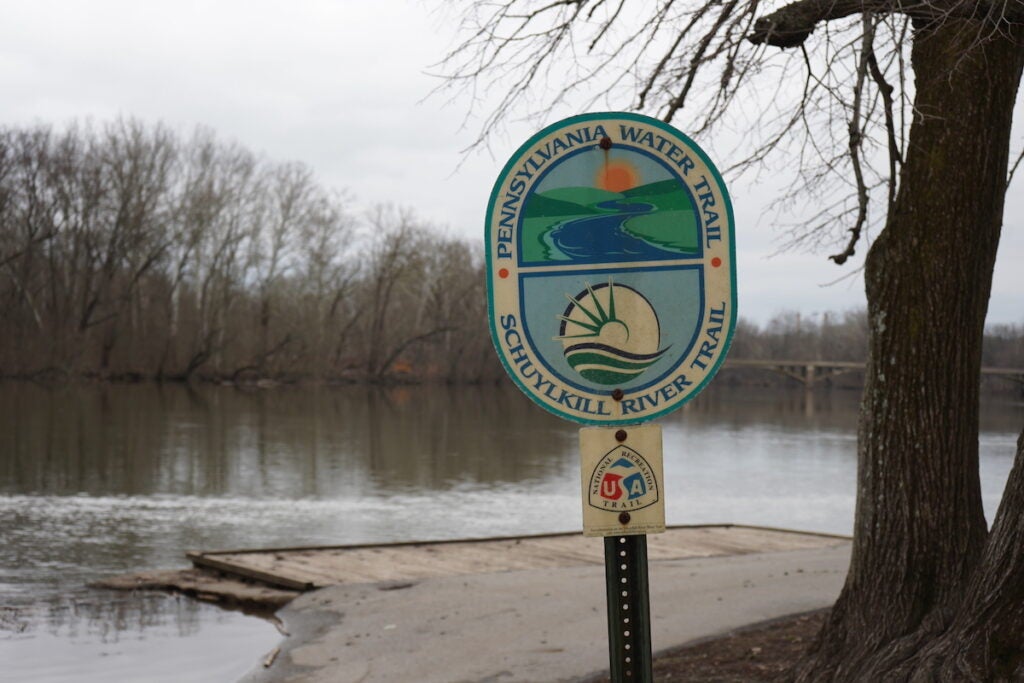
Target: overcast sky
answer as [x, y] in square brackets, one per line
[340, 86]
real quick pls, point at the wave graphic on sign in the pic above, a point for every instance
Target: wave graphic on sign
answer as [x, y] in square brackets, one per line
[608, 365]
[610, 333]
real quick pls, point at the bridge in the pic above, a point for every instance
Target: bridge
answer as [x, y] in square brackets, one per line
[811, 372]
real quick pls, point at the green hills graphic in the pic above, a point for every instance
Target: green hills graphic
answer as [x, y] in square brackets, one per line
[542, 205]
[666, 195]
[671, 225]
[579, 196]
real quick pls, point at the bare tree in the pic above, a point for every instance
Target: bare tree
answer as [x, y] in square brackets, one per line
[329, 271]
[453, 291]
[901, 122]
[127, 252]
[137, 166]
[24, 228]
[280, 209]
[396, 275]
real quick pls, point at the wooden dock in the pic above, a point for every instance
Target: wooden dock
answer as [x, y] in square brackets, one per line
[315, 567]
[269, 578]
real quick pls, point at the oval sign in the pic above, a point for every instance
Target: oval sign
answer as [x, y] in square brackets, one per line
[611, 280]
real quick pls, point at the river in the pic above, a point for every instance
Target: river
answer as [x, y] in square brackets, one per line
[603, 238]
[97, 480]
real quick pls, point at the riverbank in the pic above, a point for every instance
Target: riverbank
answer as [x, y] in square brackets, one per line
[776, 375]
[534, 625]
[520, 609]
[760, 653]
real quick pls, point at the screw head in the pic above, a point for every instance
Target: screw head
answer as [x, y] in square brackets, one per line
[617, 394]
[624, 518]
[620, 435]
[605, 143]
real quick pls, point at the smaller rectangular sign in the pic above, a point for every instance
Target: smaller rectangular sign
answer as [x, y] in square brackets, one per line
[622, 479]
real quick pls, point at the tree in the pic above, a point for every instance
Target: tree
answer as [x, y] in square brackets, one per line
[931, 593]
[397, 276]
[127, 252]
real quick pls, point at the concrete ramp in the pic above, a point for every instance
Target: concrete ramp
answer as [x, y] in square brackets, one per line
[533, 626]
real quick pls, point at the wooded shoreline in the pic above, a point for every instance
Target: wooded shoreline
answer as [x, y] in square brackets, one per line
[777, 377]
[130, 253]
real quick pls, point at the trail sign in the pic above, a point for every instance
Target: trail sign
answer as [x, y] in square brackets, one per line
[611, 294]
[610, 268]
[622, 481]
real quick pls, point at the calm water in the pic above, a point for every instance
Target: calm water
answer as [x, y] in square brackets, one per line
[101, 480]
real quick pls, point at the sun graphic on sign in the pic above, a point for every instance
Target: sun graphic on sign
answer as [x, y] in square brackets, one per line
[617, 176]
[610, 333]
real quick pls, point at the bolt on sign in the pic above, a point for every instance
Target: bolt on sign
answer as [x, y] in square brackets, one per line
[610, 269]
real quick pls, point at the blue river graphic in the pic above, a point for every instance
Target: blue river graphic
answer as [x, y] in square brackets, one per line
[596, 239]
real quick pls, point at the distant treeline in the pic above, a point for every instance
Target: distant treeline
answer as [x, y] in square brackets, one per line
[129, 252]
[843, 336]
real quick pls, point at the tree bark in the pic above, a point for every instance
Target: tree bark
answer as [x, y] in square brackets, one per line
[920, 532]
[986, 641]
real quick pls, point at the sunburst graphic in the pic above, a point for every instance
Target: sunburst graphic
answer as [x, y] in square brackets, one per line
[610, 333]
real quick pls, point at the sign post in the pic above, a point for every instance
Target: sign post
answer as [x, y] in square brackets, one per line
[623, 501]
[612, 302]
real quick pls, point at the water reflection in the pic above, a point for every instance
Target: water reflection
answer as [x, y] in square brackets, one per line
[290, 442]
[106, 636]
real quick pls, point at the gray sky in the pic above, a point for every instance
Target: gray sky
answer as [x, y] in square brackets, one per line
[339, 85]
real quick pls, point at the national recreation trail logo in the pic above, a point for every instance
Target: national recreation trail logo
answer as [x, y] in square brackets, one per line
[622, 481]
[610, 268]
[610, 333]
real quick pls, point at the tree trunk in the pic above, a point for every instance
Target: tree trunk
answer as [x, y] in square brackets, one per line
[920, 531]
[986, 641]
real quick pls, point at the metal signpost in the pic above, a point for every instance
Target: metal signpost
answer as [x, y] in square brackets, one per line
[612, 301]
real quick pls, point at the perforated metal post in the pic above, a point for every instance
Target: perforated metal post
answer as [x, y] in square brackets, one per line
[629, 609]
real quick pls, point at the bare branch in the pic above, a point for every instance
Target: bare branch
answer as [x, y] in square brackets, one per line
[791, 25]
[657, 71]
[886, 90]
[607, 25]
[697, 58]
[1016, 165]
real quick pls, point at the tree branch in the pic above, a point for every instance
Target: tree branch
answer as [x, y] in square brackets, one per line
[791, 25]
[695, 60]
[409, 342]
[607, 25]
[856, 139]
[1016, 165]
[657, 71]
[886, 91]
